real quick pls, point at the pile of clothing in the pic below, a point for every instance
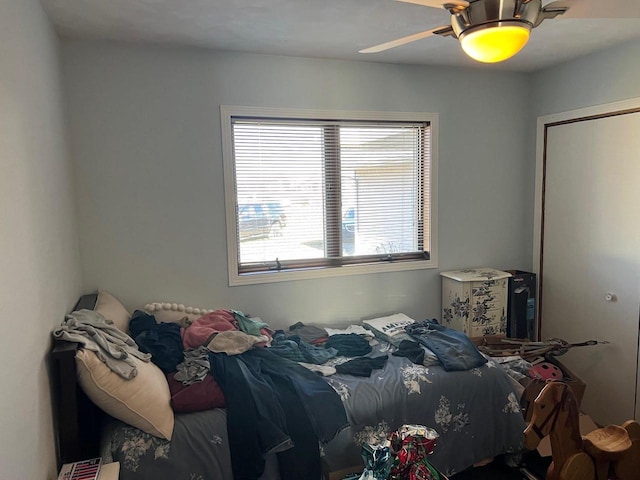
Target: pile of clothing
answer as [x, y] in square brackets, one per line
[268, 380]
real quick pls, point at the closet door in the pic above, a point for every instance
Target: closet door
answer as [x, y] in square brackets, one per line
[590, 256]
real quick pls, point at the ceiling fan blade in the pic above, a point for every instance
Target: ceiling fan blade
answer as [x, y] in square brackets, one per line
[402, 41]
[447, 4]
[597, 8]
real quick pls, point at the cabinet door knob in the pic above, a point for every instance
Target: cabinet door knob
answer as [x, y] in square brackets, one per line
[610, 297]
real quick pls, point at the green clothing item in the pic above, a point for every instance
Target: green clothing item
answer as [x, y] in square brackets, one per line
[249, 325]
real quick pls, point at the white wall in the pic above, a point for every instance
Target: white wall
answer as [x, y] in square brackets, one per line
[145, 138]
[39, 261]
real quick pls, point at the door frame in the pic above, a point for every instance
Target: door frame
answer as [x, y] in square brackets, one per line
[543, 123]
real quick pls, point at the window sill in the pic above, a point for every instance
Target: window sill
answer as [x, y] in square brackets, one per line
[328, 272]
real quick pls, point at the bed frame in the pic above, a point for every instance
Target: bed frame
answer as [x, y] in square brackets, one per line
[75, 439]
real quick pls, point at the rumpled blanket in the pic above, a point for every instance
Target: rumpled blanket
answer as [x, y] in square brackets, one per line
[362, 366]
[111, 345]
[251, 326]
[203, 330]
[200, 332]
[235, 342]
[308, 333]
[162, 340]
[195, 366]
[296, 349]
[349, 345]
[203, 395]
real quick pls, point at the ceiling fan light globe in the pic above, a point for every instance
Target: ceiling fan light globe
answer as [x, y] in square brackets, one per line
[495, 43]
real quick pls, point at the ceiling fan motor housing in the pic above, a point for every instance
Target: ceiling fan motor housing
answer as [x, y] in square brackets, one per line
[492, 13]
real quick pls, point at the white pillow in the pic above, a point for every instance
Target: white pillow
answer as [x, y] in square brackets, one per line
[391, 329]
[391, 326]
[143, 401]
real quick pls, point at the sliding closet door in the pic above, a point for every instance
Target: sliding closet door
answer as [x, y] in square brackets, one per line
[590, 257]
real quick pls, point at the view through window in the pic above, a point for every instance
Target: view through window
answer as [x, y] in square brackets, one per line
[312, 193]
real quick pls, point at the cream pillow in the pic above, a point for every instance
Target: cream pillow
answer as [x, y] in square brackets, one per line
[111, 308]
[143, 401]
[175, 313]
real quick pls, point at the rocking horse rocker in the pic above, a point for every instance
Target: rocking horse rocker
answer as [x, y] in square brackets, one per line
[609, 453]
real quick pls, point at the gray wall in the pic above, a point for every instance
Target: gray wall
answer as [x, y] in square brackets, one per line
[145, 138]
[39, 259]
[604, 77]
[145, 134]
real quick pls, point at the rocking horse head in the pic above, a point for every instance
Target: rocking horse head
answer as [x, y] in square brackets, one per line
[555, 409]
[555, 413]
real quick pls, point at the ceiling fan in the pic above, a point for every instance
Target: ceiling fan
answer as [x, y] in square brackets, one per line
[492, 31]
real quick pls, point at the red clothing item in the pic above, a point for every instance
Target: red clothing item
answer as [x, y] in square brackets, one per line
[198, 396]
[200, 331]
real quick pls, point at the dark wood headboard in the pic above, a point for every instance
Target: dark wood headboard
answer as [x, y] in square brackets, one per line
[77, 420]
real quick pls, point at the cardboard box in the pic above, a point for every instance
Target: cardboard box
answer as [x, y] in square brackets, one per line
[533, 388]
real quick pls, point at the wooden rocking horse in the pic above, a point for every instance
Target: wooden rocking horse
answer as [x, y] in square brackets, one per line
[609, 453]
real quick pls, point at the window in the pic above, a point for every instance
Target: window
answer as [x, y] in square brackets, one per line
[319, 193]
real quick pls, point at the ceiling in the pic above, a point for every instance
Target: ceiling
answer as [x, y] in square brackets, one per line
[331, 28]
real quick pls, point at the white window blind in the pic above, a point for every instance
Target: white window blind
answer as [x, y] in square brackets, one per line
[315, 193]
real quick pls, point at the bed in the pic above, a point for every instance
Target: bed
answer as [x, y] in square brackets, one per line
[476, 413]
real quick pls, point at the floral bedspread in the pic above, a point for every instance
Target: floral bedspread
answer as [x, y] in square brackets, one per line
[475, 412]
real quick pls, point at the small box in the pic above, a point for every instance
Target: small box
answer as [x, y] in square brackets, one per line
[81, 470]
[533, 387]
[474, 301]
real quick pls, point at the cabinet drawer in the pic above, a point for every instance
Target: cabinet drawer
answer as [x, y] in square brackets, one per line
[486, 312]
[483, 319]
[490, 329]
[490, 288]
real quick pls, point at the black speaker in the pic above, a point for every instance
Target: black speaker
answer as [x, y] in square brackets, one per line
[521, 312]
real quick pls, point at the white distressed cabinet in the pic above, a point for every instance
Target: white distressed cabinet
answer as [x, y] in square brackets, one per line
[474, 301]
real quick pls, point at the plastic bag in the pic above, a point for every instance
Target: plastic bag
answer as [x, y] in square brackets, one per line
[403, 456]
[377, 462]
[411, 445]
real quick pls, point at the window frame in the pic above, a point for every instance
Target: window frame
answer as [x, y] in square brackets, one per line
[227, 112]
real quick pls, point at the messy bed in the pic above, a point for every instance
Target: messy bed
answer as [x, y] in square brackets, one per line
[238, 400]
